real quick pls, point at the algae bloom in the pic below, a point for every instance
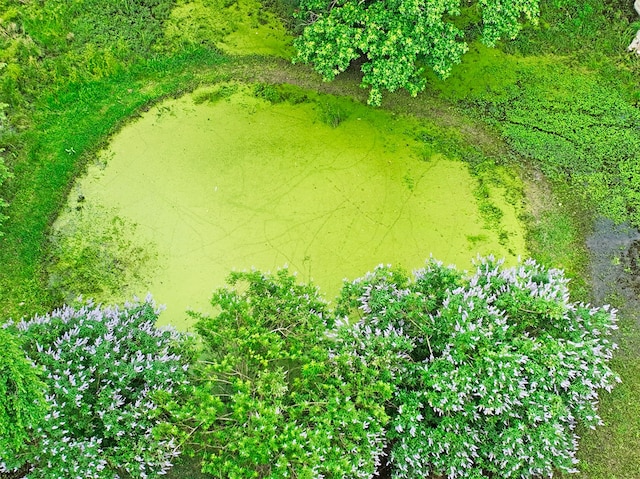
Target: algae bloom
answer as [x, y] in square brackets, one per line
[223, 180]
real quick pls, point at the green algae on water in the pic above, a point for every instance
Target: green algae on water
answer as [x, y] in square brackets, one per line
[237, 27]
[241, 182]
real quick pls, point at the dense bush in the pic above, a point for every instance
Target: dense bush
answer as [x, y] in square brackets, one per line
[105, 371]
[397, 41]
[502, 369]
[277, 395]
[22, 404]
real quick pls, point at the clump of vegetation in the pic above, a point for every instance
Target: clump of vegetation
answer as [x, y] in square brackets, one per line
[221, 91]
[584, 134]
[275, 393]
[502, 368]
[22, 404]
[95, 254]
[105, 370]
[399, 40]
[279, 93]
[463, 375]
[5, 131]
[332, 112]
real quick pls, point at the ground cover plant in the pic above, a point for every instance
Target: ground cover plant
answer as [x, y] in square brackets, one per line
[105, 370]
[582, 132]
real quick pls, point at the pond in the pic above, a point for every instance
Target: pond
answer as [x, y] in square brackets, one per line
[224, 179]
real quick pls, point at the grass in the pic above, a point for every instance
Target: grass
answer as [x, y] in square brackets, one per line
[611, 451]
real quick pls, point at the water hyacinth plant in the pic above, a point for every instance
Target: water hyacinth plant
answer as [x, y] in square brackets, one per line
[502, 367]
[106, 370]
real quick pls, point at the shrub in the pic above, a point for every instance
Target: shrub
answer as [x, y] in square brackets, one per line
[22, 404]
[502, 367]
[277, 395]
[105, 369]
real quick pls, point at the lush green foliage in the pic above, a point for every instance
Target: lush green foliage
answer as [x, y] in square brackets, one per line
[105, 370]
[22, 404]
[275, 397]
[451, 374]
[584, 133]
[579, 129]
[4, 171]
[4, 174]
[74, 100]
[57, 41]
[502, 369]
[399, 39]
[594, 32]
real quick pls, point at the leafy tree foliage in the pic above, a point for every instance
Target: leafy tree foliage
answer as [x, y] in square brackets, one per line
[277, 394]
[502, 369]
[22, 404]
[106, 369]
[399, 39]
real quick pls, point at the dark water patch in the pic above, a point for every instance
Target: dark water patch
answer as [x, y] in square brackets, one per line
[615, 263]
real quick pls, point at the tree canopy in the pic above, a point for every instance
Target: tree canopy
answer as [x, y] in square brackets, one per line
[400, 39]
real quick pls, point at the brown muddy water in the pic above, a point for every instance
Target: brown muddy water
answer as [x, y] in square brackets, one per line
[330, 191]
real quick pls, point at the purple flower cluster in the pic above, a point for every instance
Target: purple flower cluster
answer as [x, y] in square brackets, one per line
[501, 367]
[105, 367]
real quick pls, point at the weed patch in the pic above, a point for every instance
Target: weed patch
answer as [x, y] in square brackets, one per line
[93, 254]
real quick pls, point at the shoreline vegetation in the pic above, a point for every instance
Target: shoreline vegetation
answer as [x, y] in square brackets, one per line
[69, 80]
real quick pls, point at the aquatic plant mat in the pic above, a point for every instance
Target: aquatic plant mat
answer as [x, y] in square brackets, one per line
[237, 176]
